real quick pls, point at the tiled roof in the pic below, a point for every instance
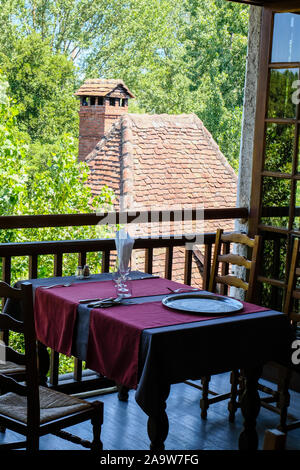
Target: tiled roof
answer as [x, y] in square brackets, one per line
[101, 87]
[163, 160]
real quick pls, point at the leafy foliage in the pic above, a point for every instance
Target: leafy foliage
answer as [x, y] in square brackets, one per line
[42, 85]
[176, 57]
[58, 187]
[216, 50]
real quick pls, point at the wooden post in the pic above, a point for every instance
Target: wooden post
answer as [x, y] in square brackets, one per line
[274, 440]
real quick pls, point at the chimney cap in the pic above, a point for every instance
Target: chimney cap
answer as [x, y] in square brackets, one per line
[103, 87]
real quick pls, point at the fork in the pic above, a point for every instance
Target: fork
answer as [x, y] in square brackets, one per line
[182, 288]
[57, 285]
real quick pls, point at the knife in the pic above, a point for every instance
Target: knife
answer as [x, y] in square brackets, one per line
[86, 301]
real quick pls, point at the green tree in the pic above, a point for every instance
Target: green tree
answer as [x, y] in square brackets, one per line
[12, 157]
[216, 44]
[42, 85]
[145, 48]
[67, 25]
[177, 57]
[59, 187]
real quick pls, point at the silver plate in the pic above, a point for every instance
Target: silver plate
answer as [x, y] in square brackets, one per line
[202, 303]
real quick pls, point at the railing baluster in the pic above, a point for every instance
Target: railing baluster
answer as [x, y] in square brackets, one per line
[58, 264]
[169, 262]
[77, 374]
[224, 269]
[33, 266]
[6, 269]
[207, 265]
[54, 356]
[149, 260]
[105, 261]
[6, 277]
[77, 369]
[54, 366]
[82, 258]
[188, 266]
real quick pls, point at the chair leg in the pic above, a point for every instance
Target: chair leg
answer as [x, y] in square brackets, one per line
[284, 397]
[97, 421]
[33, 442]
[204, 403]
[233, 405]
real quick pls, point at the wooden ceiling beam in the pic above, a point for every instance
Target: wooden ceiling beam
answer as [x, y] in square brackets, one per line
[279, 5]
[248, 2]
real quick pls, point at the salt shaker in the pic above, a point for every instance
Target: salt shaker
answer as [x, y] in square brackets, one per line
[79, 272]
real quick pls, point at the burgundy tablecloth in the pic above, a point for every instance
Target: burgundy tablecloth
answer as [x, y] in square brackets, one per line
[114, 335]
[55, 308]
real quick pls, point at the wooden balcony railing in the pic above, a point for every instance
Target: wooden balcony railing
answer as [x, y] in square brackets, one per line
[58, 249]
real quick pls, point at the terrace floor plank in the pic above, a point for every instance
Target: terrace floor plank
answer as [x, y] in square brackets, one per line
[125, 424]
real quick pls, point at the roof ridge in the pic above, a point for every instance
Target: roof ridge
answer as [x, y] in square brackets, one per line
[126, 160]
[161, 114]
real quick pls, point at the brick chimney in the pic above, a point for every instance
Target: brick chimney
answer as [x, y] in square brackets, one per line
[101, 103]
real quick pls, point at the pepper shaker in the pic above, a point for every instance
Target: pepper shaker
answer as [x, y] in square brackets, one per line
[86, 271]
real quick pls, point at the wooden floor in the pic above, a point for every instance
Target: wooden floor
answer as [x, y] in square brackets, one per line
[125, 424]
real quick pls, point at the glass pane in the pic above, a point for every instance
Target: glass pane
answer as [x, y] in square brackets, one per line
[296, 224]
[274, 259]
[298, 146]
[272, 297]
[276, 194]
[279, 147]
[282, 92]
[286, 37]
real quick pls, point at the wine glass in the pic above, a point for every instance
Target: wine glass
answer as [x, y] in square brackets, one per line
[120, 278]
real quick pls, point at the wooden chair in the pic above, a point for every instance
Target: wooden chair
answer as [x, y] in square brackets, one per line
[226, 280]
[30, 409]
[292, 297]
[8, 367]
[281, 396]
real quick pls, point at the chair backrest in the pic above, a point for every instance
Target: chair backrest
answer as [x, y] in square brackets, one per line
[228, 259]
[292, 292]
[30, 389]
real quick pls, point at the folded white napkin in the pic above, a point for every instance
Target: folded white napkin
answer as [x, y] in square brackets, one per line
[124, 245]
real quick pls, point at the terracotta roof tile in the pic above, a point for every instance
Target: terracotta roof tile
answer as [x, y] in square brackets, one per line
[164, 160]
[101, 87]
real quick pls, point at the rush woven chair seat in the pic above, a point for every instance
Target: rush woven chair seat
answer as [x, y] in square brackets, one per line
[221, 280]
[30, 409]
[53, 405]
[10, 368]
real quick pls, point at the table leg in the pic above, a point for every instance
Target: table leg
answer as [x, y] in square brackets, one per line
[250, 406]
[158, 424]
[122, 392]
[44, 363]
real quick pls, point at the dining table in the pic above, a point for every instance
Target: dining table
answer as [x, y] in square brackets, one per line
[145, 345]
